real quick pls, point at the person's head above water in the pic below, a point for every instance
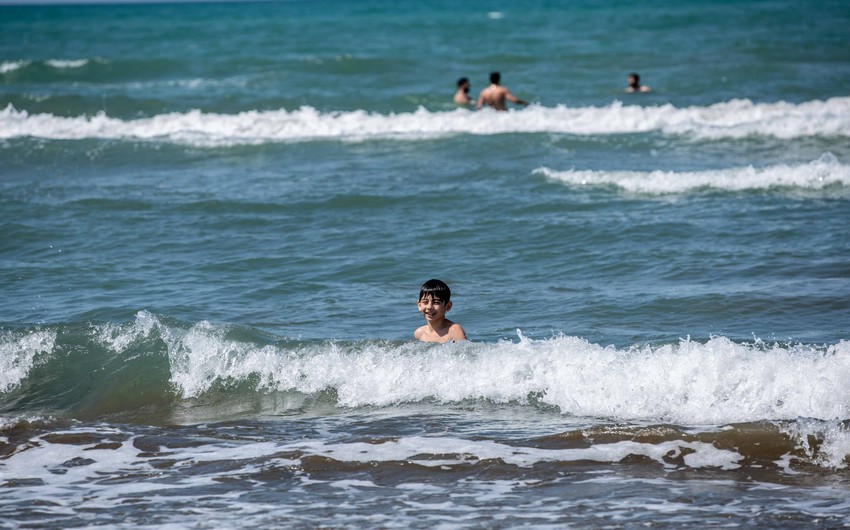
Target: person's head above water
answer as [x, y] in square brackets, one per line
[634, 84]
[463, 83]
[434, 302]
[435, 289]
[495, 77]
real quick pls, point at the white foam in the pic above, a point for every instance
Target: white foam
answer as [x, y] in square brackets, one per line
[353, 485]
[833, 448]
[68, 487]
[19, 352]
[42, 460]
[700, 383]
[688, 383]
[11, 66]
[733, 119]
[81, 479]
[460, 451]
[815, 175]
[119, 337]
[201, 357]
[65, 63]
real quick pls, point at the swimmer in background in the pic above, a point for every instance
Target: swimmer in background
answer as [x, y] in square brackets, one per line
[495, 95]
[634, 84]
[462, 94]
[434, 301]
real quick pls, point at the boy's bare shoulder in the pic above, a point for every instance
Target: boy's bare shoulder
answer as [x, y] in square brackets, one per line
[453, 332]
[456, 332]
[419, 332]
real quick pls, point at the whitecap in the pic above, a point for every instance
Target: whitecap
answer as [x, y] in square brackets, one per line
[19, 352]
[11, 66]
[733, 119]
[66, 63]
[817, 174]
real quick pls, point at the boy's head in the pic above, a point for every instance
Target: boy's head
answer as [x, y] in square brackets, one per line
[437, 290]
[495, 77]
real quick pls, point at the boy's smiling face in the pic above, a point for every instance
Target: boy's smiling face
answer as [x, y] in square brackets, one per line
[433, 309]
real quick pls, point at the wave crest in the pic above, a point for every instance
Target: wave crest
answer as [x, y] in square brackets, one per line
[153, 362]
[826, 171]
[19, 352]
[732, 119]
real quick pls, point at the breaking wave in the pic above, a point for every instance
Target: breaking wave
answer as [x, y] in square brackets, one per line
[727, 120]
[818, 174]
[153, 362]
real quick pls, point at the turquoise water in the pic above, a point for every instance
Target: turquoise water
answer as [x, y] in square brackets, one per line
[216, 218]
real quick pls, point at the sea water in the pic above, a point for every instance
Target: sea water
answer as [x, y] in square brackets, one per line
[216, 218]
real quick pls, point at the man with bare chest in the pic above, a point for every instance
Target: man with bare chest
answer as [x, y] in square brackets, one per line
[495, 95]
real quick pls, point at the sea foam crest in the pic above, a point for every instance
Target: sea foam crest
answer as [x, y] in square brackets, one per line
[10, 66]
[814, 175]
[66, 63]
[19, 352]
[715, 382]
[119, 337]
[732, 119]
[59, 64]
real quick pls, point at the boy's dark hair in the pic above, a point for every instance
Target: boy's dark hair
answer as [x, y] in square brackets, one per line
[495, 77]
[462, 81]
[436, 288]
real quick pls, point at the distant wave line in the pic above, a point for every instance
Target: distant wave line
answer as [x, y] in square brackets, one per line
[60, 64]
[815, 175]
[11, 66]
[733, 119]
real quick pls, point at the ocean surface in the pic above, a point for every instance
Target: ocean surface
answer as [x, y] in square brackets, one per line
[215, 219]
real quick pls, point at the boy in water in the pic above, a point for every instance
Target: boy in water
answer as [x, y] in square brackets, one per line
[434, 301]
